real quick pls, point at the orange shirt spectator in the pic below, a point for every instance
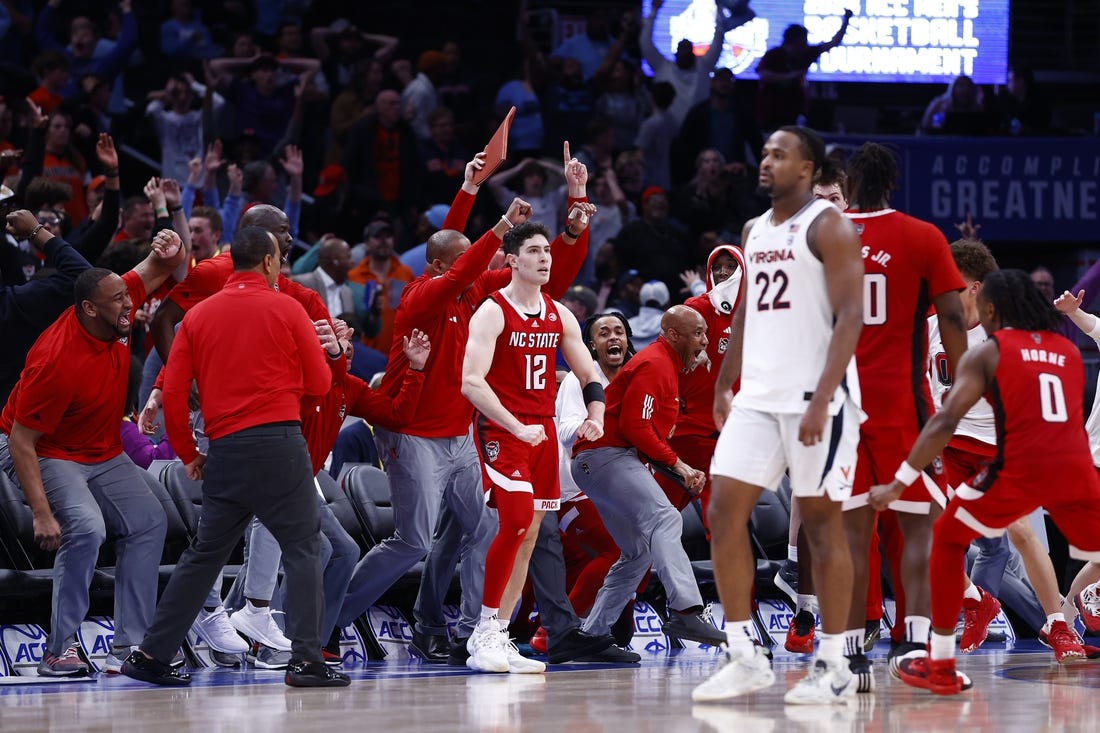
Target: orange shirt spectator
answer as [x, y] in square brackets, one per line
[384, 277]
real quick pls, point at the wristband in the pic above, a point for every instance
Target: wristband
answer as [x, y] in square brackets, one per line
[173, 209]
[593, 392]
[34, 232]
[504, 219]
[111, 173]
[571, 235]
[906, 474]
[158, 211]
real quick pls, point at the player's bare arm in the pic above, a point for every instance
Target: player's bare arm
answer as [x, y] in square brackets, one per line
[580, 363]
[485, 326]
[833, 238]
[1071, 305]
[976, 370]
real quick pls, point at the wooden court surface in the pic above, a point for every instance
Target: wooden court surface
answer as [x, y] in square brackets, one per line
[1021, 689]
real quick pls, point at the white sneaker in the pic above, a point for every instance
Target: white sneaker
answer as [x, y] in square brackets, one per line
[259, 625]
[737, 676]
[218, 633]
[519, 664]
[113, 663]
[488, 648]
[827, 682]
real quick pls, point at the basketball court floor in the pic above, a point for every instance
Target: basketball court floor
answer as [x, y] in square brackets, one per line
[1017, 687]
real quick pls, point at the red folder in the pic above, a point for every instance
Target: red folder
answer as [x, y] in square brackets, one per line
[496, 150]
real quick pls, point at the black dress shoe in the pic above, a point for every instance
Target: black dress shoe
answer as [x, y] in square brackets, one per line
[577, 644]
[432, 648]
[611, 655]
[459, 653]
[623, 628]
[141, 667]
[314, 674]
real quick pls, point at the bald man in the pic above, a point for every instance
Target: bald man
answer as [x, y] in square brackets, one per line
[643, 403]
[330, 279]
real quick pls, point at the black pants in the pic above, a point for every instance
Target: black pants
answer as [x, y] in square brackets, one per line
[263, 471]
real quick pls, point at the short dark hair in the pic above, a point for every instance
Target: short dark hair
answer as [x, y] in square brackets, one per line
[517, 235]
[973, 259]
[795, 32]
[132, 202]
[87, 283]
[812, 147]
[250, 246]
[45, 192]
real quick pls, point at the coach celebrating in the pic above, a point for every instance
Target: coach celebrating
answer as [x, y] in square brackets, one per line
[242, 337]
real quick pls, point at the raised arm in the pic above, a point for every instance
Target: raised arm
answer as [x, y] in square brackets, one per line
[1070, 304]
[165, 256]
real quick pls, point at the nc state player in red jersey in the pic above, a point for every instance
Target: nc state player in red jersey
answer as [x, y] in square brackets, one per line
[508, 376]
[908, 268]
[1033, 377]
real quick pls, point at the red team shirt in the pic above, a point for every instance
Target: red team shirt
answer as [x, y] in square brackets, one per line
[907, 264]
[1043, 456]
[522, 377]
[73, 388]
[642, 405]
[522, 374]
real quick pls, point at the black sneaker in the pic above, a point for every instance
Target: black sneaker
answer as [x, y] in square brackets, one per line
[314, 674]
[786, 580]
[611, 655]
[577, 644]
[872, 633]
[140, 667]
[695, 627]
[432, 648]
[904, 650]
[459, 653]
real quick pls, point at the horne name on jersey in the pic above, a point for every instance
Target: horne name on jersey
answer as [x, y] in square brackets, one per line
[1043, 356]
[536, 340]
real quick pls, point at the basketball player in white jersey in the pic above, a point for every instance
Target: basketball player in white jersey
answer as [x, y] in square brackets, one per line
[792, 343]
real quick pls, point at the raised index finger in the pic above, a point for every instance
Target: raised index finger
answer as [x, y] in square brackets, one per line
[565, 152]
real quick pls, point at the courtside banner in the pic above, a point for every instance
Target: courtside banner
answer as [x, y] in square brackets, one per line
[1018, 189]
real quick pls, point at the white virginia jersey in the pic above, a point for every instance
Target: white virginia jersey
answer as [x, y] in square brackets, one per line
[978, 422]
[788, 318]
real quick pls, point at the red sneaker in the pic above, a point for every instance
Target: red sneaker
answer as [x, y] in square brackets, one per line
[800, 634]
[977, 615]
[935, 675]
[538, 641]
[332, 659]
[1064, 641]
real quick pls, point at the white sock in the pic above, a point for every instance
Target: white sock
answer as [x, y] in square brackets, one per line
[807, 602]
[917, 629]
[488, 614]
[972, 593]
[943, 646]
[739, 638]
[1054, 617]
[830, 647]
[853, 642]
[792, 553]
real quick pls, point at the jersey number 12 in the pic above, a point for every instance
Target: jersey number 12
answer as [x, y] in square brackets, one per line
[536, 371]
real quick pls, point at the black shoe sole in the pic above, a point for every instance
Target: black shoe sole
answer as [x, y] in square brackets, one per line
[429, 658]
[714, 641]
[310, 681]
[620, 656]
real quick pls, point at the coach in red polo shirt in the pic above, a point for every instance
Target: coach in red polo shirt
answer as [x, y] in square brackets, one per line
[61, 443]
[253, 353]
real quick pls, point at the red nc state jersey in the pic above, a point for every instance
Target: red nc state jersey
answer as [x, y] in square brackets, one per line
[522, 374]
[907, 264]
[1036, 397]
